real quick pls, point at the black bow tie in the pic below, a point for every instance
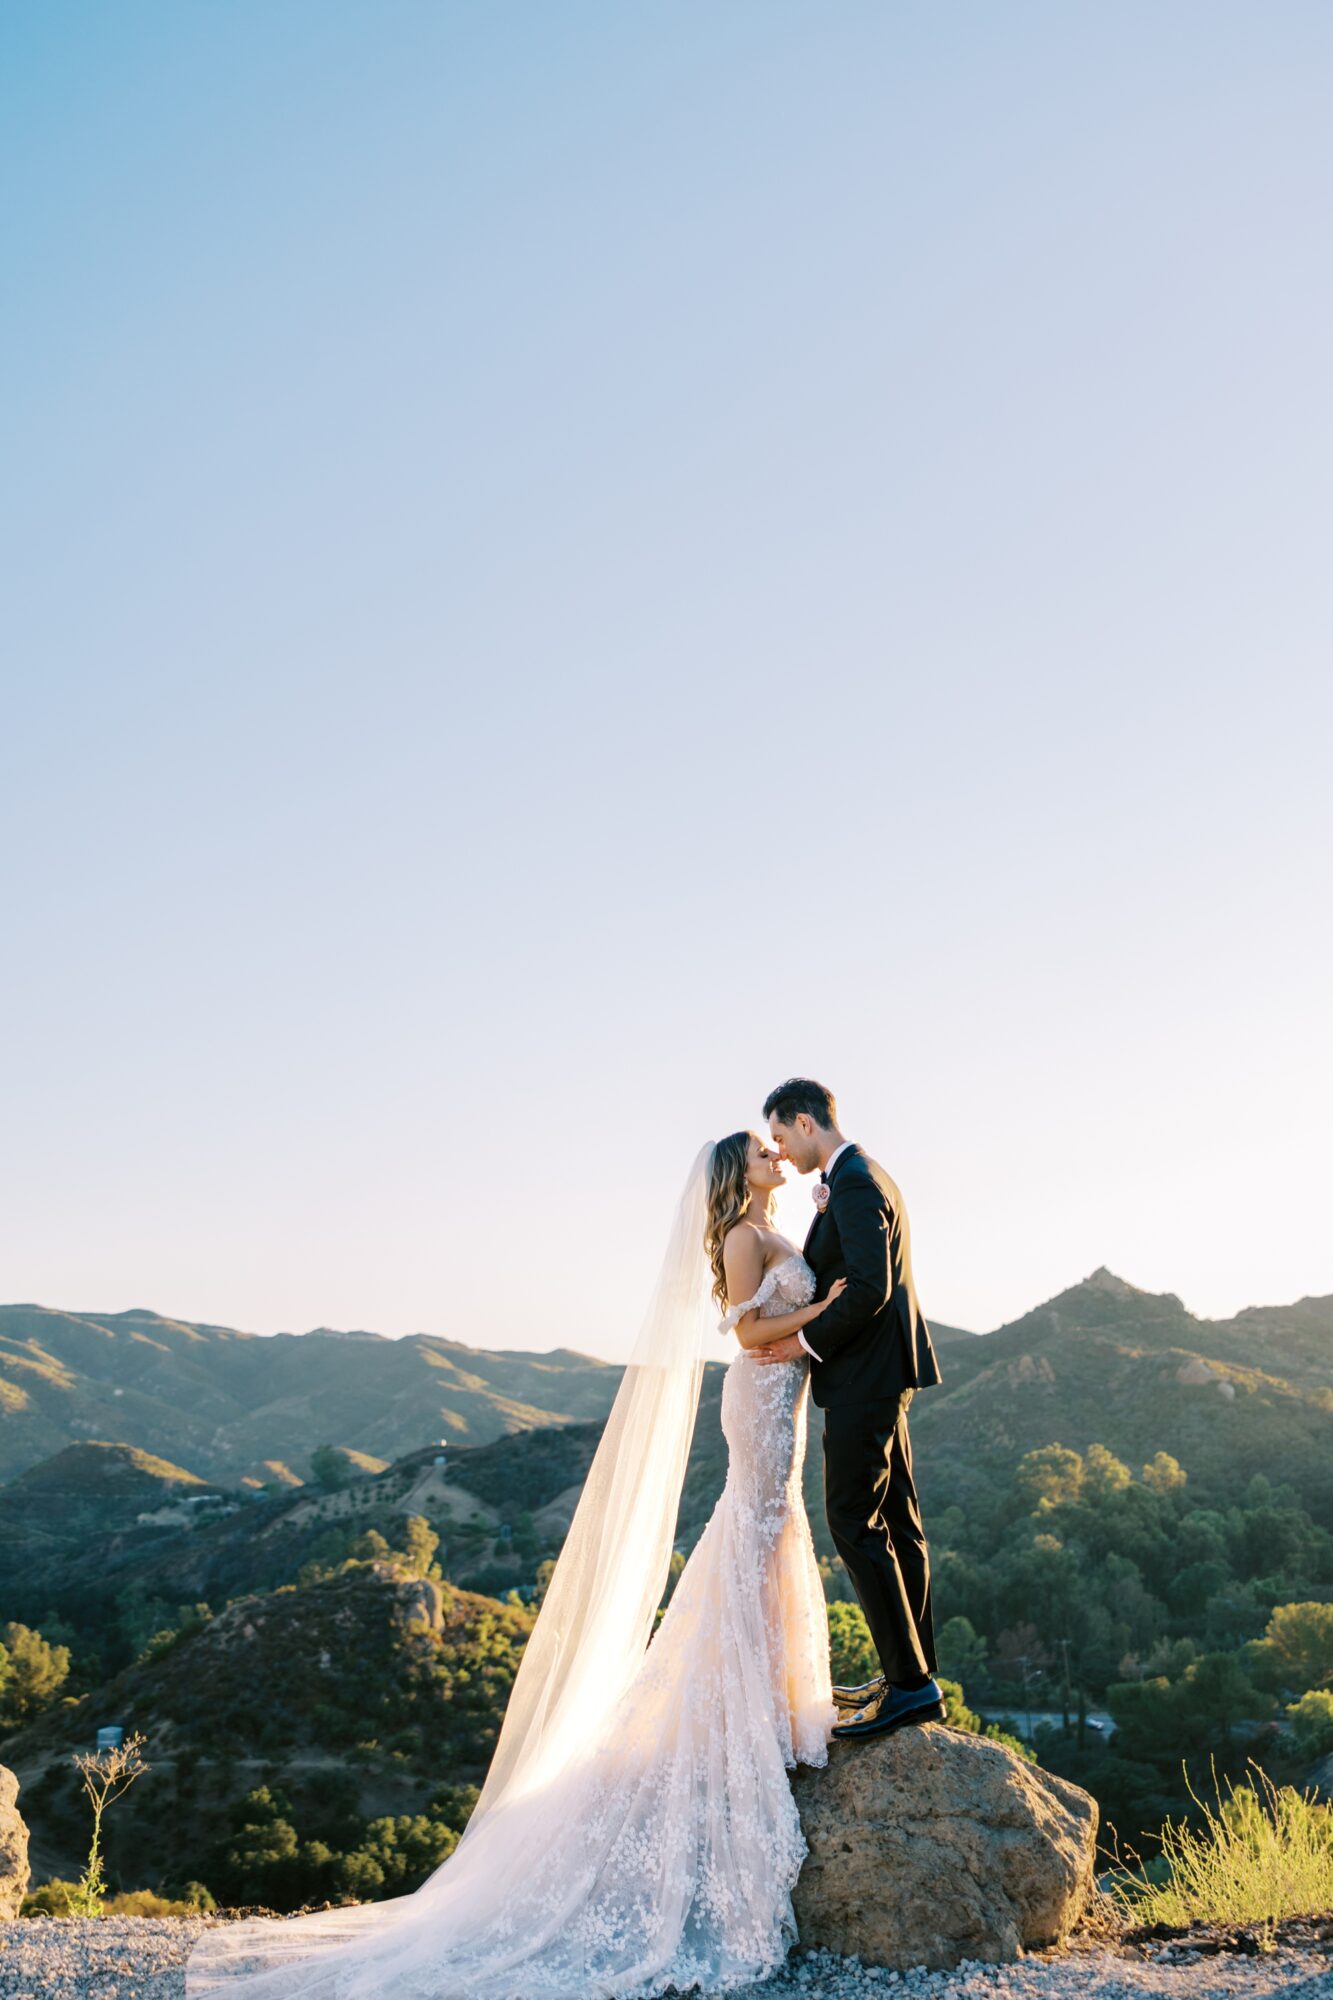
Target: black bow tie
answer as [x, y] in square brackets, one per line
[823, 1178]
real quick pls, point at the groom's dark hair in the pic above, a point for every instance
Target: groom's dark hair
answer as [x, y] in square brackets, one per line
[801, 1093]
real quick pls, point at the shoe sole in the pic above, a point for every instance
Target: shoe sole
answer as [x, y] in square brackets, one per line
[934, 1712]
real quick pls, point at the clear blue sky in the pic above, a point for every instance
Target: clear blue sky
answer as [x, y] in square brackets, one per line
[566, 562]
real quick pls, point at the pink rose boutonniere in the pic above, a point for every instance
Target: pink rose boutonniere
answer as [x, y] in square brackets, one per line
[819, 1195]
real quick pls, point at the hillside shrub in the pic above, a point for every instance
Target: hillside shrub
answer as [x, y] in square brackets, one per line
[1262, 1852]
[1312, 1722]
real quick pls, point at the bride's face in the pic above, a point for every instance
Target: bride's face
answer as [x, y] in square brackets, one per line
[763, 1170]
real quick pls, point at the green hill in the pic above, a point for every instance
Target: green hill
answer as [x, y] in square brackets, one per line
[1105, 1363]
[319, 1734]
[110, 1541]
[236, 1406]
[367, 1696]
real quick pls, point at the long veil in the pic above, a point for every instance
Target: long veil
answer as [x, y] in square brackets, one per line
[587, 1644]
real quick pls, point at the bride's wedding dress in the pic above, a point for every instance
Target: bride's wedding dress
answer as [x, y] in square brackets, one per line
[662, 1849]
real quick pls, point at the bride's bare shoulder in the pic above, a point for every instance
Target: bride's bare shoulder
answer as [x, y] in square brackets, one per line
[742, 1256]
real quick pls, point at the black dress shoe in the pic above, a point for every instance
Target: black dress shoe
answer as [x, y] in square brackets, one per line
[849, 1697]
[894, 1709]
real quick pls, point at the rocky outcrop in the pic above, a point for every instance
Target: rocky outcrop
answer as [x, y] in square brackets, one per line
[930, 1846]
[14, 1870]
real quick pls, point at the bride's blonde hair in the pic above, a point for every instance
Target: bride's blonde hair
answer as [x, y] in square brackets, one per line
[728, 1198]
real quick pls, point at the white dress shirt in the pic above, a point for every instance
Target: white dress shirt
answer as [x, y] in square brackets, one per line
[827, 1170]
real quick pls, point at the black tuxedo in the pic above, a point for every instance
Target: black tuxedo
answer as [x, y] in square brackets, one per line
[871, 1351]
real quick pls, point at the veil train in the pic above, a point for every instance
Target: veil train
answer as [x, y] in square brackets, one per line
[586, 1647]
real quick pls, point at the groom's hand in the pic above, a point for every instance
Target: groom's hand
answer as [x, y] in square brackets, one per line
[789, 1349]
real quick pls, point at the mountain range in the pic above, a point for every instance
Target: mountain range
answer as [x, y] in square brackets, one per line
[155, 1468]
[160, 1427]
[1102, 1362]
[243, 1407]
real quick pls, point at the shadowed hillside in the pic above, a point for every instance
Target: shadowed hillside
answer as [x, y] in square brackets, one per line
[370, 1698]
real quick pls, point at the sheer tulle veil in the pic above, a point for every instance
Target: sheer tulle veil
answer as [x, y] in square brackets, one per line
[588, 1642]
[597, 1616]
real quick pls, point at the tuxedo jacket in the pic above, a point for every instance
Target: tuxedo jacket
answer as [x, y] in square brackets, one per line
[873, 1341]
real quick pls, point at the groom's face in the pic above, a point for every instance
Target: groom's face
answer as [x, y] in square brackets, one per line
[796, 1142]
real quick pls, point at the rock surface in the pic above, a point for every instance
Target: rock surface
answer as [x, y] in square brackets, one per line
[931, 1846]
[14, 1870]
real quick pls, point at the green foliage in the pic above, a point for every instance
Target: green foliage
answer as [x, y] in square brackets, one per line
[396, 1855]
[1049, 1477]
[1104, 1475]
[59, 1898]
[959, 1716]
[962, 1649]
[330, 1469]
[32, 1674]
[162, 1642]
[1312, 1722]
[1163, 1474]
[261, 1861]
[1159, 1718]
[1296, 1650]
[852, 1656]
[419, 1545]
[263, 1858]
[107, 1775]
[1095, 1586]
[55, 1898]
[1263, 1852]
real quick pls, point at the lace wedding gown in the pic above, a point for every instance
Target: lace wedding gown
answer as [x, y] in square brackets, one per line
[667, 1851]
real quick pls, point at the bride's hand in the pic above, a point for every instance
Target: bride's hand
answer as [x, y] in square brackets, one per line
[835, 1291]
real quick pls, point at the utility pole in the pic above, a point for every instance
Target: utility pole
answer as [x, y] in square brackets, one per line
[1064, 1703]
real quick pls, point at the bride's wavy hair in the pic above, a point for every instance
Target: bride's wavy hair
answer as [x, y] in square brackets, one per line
[728, 1198]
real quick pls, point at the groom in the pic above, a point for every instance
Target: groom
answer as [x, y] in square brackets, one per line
[869, 1353]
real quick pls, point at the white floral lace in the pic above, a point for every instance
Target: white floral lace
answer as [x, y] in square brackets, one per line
[666, 1856]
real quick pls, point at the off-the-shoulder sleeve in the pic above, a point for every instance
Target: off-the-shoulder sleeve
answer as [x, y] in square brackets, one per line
[734, 1314]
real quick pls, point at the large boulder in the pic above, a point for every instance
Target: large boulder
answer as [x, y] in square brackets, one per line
[930, 1845]
[14, 1871]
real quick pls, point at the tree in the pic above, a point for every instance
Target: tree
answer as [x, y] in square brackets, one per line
[852, 1656]
[962, 1650]
[1312, 1722]
[31, 1673]
[1049, 1477]
[1296, 1650]
[371, 1547]
[1163, 1474]
[396, 1854]
[1103, 1474]
[1161, 1719]
[330, 1468]
[420, 1542]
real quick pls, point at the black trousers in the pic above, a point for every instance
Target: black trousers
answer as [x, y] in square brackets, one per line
[875, 1520]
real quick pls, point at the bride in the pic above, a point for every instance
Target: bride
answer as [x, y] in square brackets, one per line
[637, 1828]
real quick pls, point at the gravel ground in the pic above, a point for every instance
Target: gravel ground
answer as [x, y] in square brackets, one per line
[140, 1958]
